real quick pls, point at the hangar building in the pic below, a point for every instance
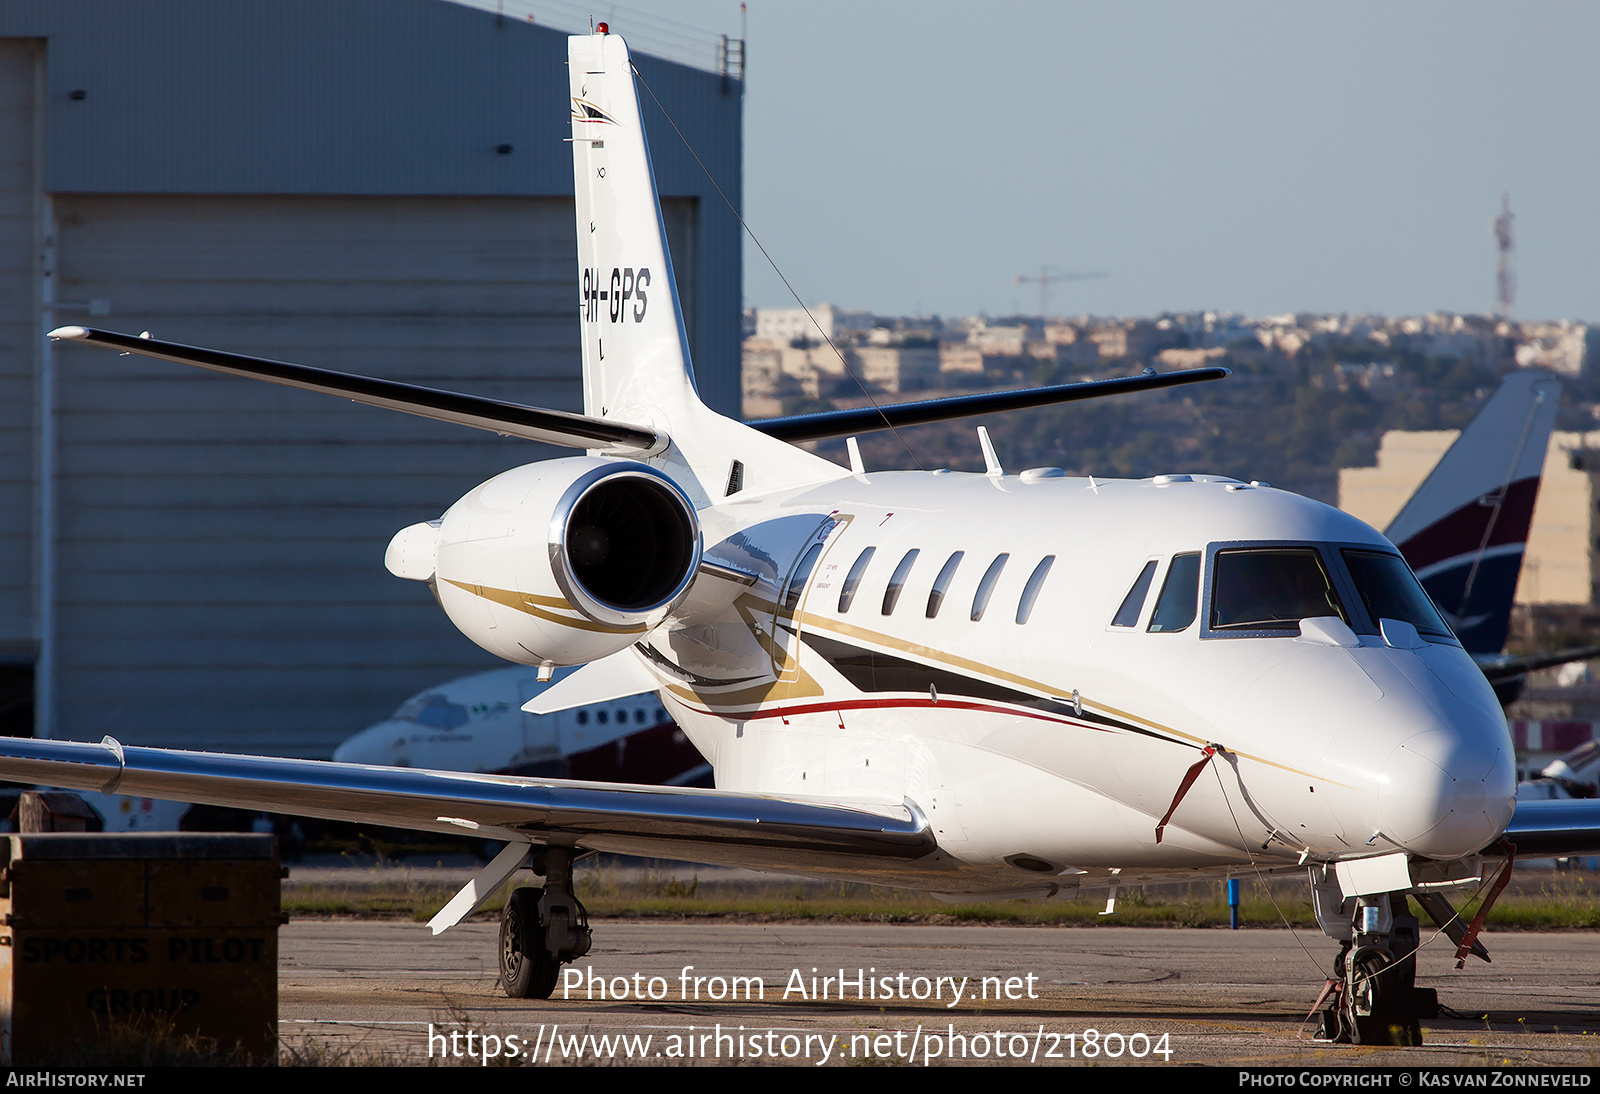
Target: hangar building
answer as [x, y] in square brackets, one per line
[374, 186]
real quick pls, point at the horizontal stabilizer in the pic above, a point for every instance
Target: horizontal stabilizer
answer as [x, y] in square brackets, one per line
[845, 423]
[613, 677]
[510, 419]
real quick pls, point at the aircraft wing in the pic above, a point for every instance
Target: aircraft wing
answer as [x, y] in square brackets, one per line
[1507, 668]
[844, 423]
[511, 419]
[658, 821]
[1554, 829]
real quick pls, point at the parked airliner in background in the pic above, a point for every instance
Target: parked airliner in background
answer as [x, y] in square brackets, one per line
[978, 685]
[477, 723]
[1465, 529]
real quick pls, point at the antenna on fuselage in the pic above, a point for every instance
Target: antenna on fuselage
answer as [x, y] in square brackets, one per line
[991, 462]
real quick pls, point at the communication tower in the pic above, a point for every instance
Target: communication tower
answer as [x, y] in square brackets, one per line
[1505, 277]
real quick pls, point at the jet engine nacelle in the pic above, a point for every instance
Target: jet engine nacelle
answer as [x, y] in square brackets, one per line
[563, 562]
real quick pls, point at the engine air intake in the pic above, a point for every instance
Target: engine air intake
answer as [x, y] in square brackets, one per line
[630, 542]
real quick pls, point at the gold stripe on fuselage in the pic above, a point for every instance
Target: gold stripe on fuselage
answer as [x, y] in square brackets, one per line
[533, 604]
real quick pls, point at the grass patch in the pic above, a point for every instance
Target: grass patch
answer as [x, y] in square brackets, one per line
[1543, 900]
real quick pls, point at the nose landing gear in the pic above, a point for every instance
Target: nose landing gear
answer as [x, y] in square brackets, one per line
[1372, 998]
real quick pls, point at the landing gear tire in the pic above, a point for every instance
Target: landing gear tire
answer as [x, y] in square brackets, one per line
[527, 970]
[1369, 991]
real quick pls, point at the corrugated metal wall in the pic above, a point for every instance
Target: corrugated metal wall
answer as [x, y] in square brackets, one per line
[221, 547]
[315, 182]
[368, 97]
[20, 62]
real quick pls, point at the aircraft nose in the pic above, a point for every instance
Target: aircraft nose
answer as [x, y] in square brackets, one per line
[383, 743]
[1443, 795]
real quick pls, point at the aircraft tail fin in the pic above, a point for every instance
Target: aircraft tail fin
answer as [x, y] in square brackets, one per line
[635, 349]
[1465, 529]
[636, 365]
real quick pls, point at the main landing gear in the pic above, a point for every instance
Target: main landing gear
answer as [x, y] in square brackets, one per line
[542, 929]
[1372, 998]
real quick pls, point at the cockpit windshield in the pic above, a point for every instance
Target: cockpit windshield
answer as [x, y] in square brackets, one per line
[1271, 588]
[1390, 591]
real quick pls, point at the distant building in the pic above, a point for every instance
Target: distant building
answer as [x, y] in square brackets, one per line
[783, 326]
[1559, 347]
[894, 369]
[1006, 341]
[960, 360]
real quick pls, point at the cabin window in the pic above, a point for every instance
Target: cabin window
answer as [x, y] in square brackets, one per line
[1030, 591]
[434, 711]
[583, 717]
[941, 584]
[1389, 590]
[638, 716]
[986, 585]
[891, 595]
[1180, 595]
[802, 573]
[602, 716]
[853, 578]
[1271, 588]
[1132, 604]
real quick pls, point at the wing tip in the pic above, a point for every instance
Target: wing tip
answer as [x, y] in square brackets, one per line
[71, 333]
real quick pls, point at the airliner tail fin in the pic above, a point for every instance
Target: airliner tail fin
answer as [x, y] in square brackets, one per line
[1465, 529]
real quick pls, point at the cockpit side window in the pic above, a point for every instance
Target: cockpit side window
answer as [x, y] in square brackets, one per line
[1179, 601]
[1389, 590]
[1271, 588]
[1133, 603]
[434, 711]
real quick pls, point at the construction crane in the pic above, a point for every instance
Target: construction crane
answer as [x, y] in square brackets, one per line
[1047, 275]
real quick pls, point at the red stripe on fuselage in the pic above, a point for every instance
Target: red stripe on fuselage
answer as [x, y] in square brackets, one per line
[910, 704]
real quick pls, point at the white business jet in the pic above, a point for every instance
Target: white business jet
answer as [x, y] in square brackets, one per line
[978, 685]
[1470, 521]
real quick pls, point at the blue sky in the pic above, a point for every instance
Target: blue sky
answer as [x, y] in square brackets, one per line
[1252, 157]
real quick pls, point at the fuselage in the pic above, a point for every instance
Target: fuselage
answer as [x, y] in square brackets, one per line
[1044, 713]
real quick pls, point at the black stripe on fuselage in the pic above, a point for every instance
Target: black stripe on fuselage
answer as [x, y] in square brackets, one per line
[872, 671]
[656, 657]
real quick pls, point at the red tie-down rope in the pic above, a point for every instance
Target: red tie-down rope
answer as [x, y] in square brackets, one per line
[1483, 910]
[1183, 788]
